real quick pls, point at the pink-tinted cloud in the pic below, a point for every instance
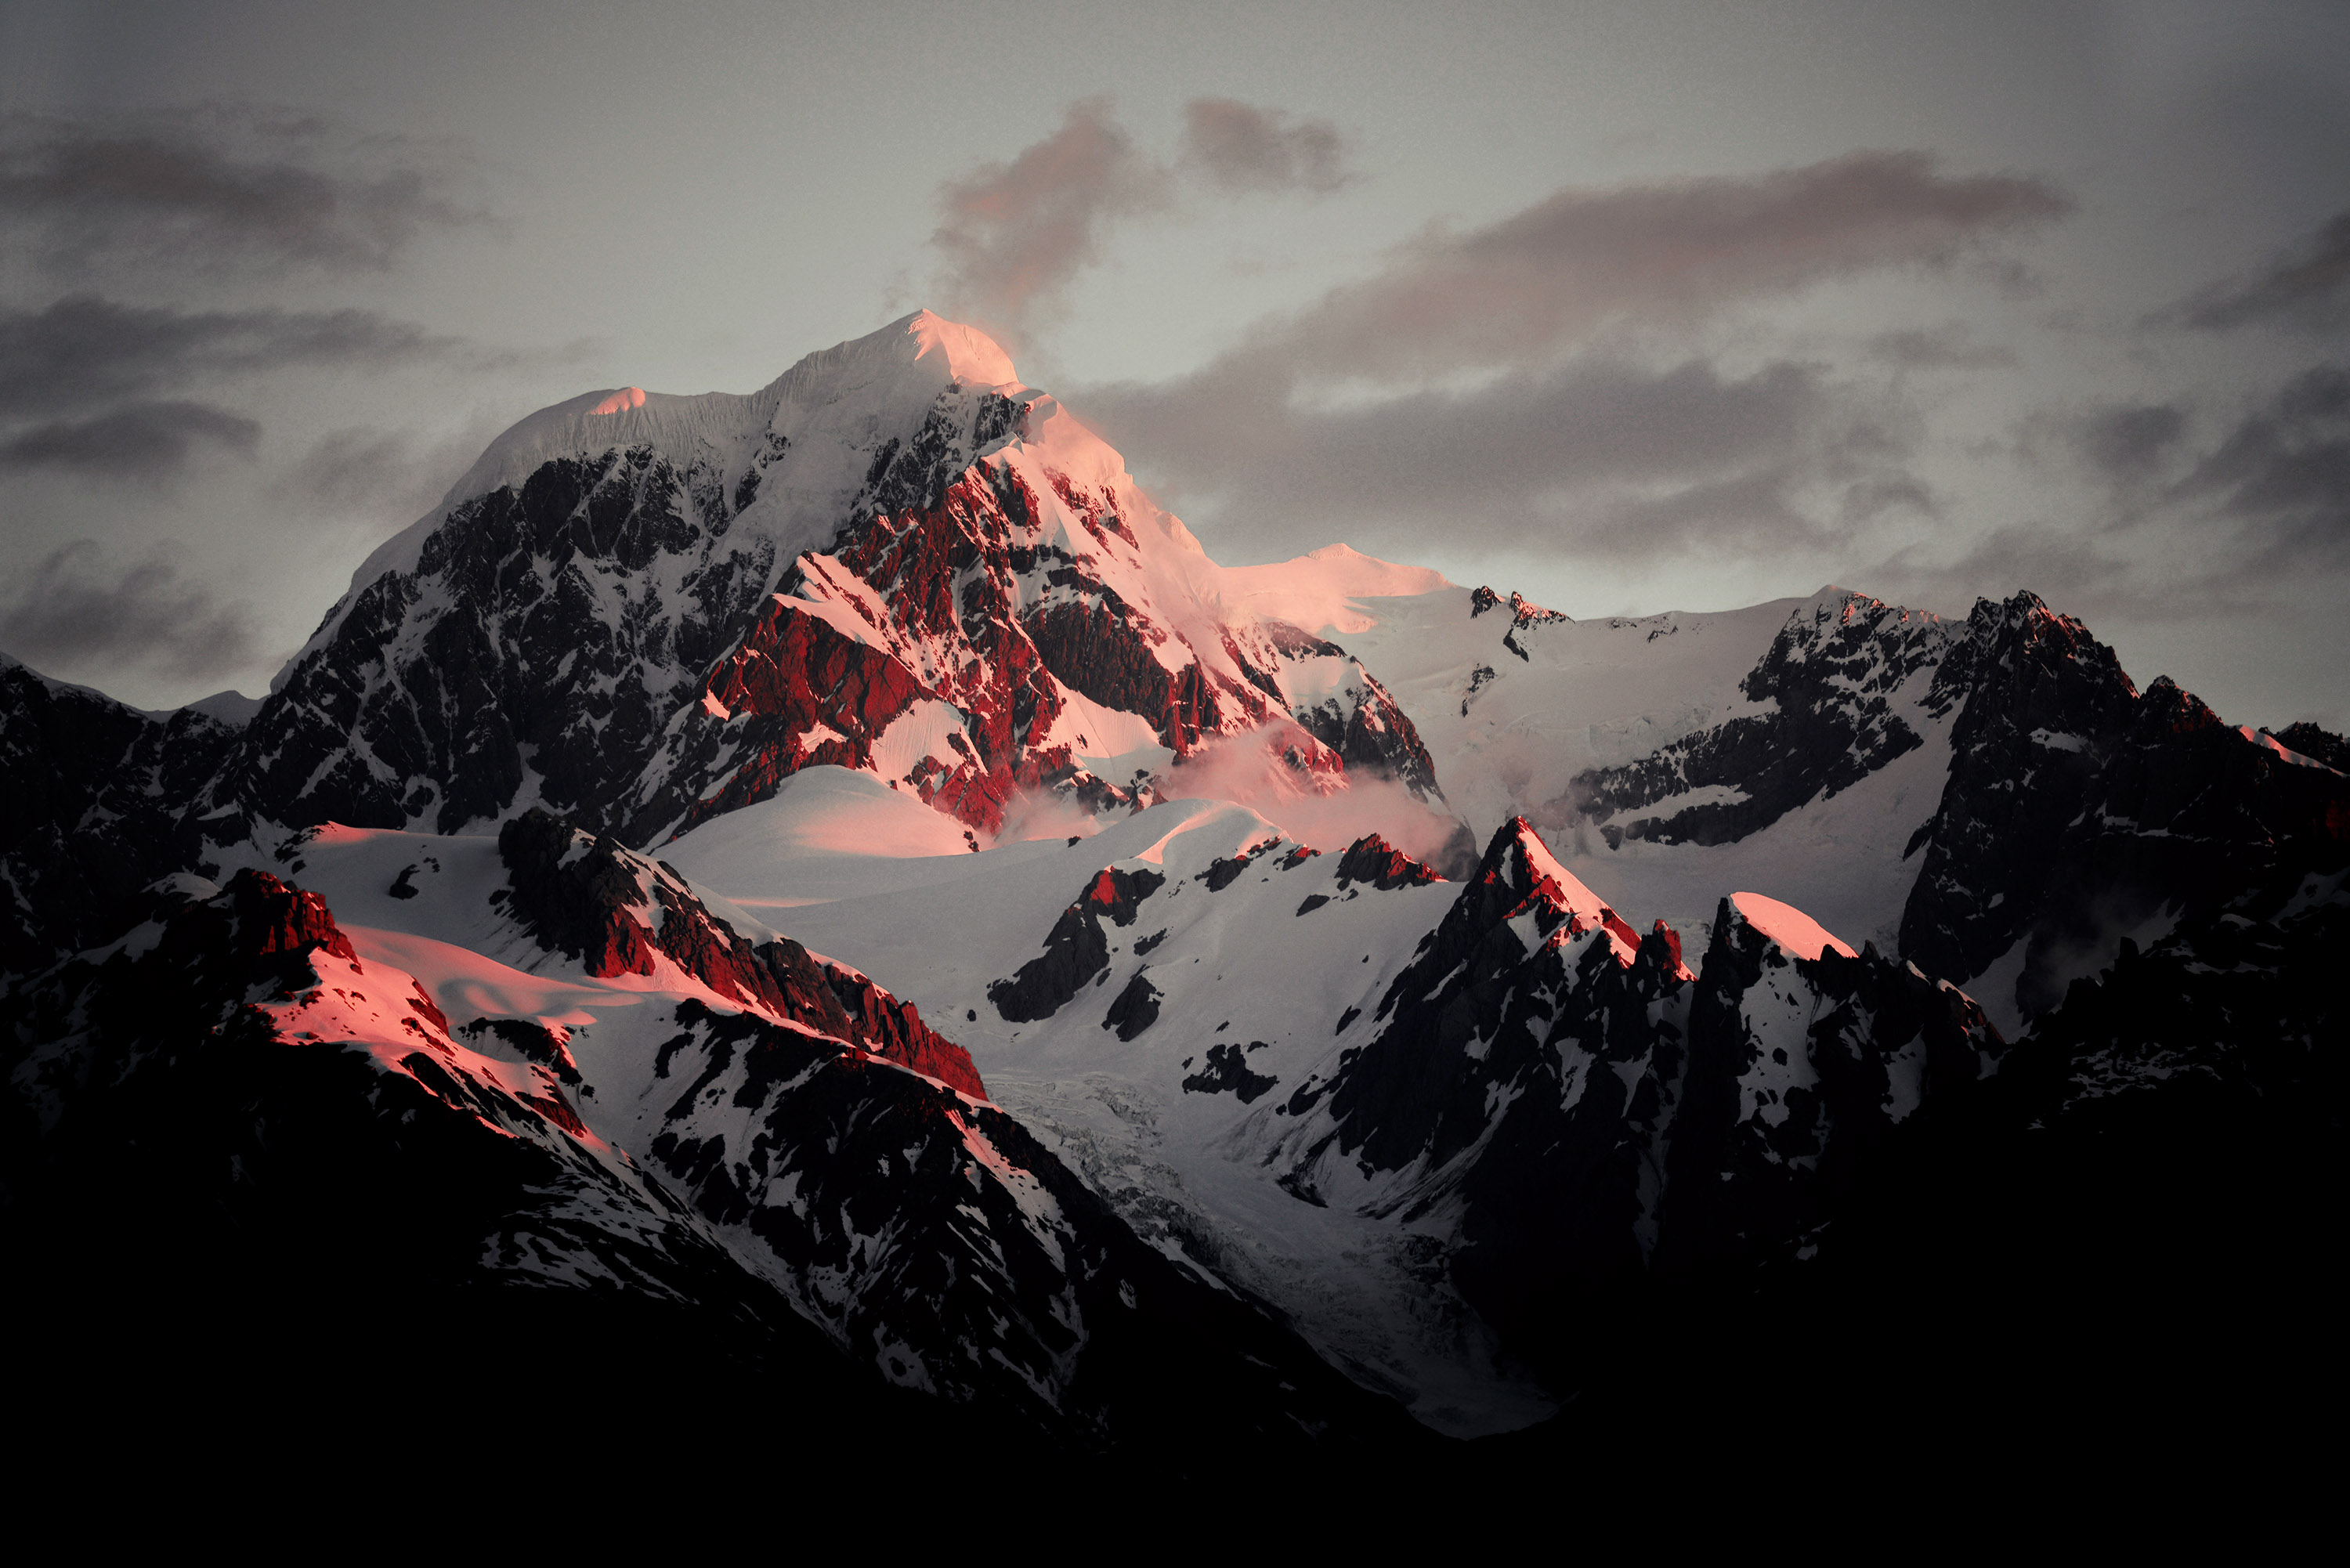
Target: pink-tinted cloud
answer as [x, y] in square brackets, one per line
[1517, 292]
[1014, 237]
[1554, 442]
[1239, 147]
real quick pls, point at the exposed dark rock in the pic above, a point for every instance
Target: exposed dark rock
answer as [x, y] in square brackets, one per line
[2312, 741]
[287, 1190]
[1578, 1111]
[1372, 860]
[545, 1044]
[91, 795]
[2044, 701]
[525, 652]
[1076, 951]
[276, 1175]
[1777, 1124]
[1227, 1072]
[1136, 1009]
[1832, 675]
[2076, 810]
[2185, 815]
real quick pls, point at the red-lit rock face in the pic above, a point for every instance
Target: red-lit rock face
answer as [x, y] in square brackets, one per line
[620, 913]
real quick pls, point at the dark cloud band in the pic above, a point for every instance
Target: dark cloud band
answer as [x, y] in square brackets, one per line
[223, 187]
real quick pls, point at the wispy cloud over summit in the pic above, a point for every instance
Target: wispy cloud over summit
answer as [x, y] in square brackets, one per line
[1014, 236]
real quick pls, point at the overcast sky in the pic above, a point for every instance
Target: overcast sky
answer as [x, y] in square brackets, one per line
[1631, 308]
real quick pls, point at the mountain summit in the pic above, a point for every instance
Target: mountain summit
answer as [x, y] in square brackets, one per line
[895, 558]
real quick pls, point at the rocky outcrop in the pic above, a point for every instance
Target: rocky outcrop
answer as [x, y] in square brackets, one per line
[1226, 1071]
[1374, 862]
[1835, 685]
[1076, 949]
[234, 1105]
[2077, 810]
[89, 812]
[231, 1109]
[619, 913]
[2042, 700]
[533, 624]
[1136, 1009]
[2311, 740]
[2185, 815]
[1800, 1068]
[1576, 1111]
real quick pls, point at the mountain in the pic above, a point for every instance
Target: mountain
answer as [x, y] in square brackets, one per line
[836, 880]
[645, 610]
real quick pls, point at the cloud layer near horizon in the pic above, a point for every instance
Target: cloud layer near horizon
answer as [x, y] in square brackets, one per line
[1518, 383]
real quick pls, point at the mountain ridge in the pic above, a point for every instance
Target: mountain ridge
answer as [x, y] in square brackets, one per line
[1017, 945]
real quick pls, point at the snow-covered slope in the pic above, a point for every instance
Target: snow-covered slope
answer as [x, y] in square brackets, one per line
[1669, 758]
[1135, 997]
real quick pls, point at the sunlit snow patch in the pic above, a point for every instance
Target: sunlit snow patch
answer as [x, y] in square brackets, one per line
[621, 401]
[2269, 742]
[1797, 932]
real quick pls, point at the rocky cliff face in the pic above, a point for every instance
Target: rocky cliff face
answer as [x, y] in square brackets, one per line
[937, 1238]
[2078, 809]
[89, 810]
[1572, 1107]
[616, 912]
[1834, 693]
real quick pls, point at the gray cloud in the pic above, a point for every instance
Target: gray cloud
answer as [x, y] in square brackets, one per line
[2188, 527]
[73, 616]
[1589, 454]
[137, 441]
[1239, 147]
[224, 186]
[2282, 475]
[2306, 286]
[1521, 291]
[1948, 348]
[2126, 443]
[1602, 458]
[1014, 236]
[85, 352]
[2068, 567]
[388, 475]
